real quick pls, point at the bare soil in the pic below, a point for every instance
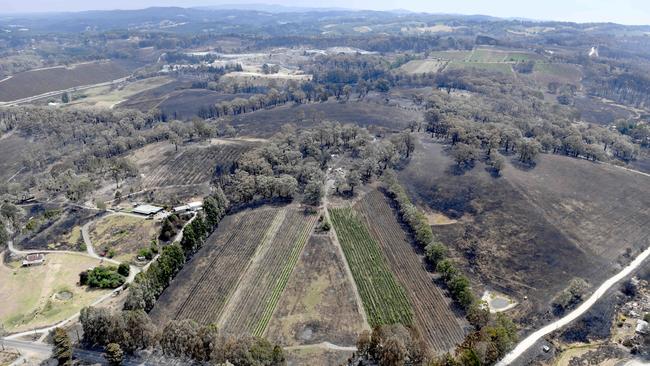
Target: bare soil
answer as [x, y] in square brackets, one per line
[318, 304]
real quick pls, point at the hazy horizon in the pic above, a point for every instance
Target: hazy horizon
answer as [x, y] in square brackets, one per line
[631, 12]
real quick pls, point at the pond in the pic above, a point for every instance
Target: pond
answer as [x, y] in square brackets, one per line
[498, 302]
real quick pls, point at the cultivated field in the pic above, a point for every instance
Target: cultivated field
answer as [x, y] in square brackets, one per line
[440, 327]
[202, 288]
[250, 308]
[125, 235]
[161, 165]
[501, 67]
[450, 55]
[38, 296]
[35, 82]
[384, 299]
[530, 232]
[318, 303]
[423, 66]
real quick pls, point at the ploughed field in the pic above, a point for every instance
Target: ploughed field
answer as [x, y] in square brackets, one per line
[35, 82]
[529, 232]
[238, 277]
[440, 327]
[161, 165]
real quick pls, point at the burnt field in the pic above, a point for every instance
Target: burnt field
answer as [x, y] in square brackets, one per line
[267, 122]
[161, 165]
[12, 148]
[435, 319]
[30, 83]
[54, 227]
[530, 232]
[178, 104]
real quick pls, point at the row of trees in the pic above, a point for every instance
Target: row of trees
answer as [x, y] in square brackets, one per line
[132, 330]
[492, 336]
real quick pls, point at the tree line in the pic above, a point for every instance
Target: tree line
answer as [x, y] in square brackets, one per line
[492, 336]
[132, 330]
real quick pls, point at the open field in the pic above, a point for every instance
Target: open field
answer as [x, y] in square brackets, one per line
[266, 122]
[318, 303]
[423, 66]
[126, 235]
[35, 82]
[545, 73]
[384, 299]
[161, 165]
[110, 96]
[595, 110]
[529, 233]
[250, 308]
[440, 327]
[37, 296]
[204, 285]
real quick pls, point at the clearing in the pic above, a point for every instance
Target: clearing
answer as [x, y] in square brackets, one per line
[124, 234]
[42, 295]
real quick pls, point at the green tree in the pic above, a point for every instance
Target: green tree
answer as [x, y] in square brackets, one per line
[114, 354]
[62, 347]
[65, 97]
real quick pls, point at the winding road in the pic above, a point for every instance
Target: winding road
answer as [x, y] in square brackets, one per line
[529, 341]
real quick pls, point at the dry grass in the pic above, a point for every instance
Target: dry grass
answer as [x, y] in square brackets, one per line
[126, 235]
[28, 293]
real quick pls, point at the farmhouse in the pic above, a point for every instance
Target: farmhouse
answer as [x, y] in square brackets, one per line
[34, 259]
[147, 210]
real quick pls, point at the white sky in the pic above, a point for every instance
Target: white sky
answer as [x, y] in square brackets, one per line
[619, 11]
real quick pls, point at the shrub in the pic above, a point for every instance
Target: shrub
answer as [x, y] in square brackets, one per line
[124, 269]
[104, 277]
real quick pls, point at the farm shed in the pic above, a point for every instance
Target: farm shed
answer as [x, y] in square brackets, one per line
[192, 206]
[34, 259]
[147, 210]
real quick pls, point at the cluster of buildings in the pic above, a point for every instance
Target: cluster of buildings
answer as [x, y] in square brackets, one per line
[151, 210]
